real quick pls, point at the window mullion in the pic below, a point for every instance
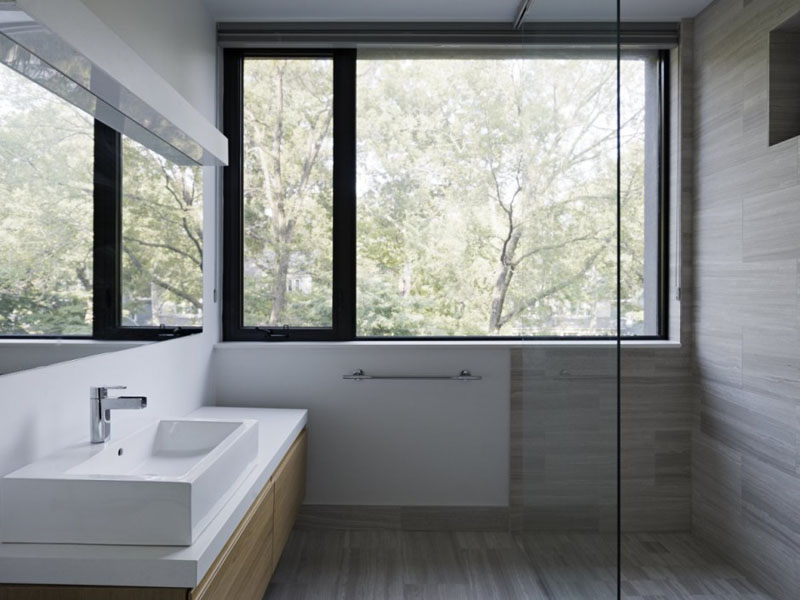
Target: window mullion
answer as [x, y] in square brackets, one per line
[107, 229]
[344, 194]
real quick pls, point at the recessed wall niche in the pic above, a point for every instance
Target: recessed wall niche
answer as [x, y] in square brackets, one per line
[784, 81]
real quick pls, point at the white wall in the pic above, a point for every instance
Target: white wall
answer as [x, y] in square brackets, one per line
[177, 38]
[44, 409]
[384, 442]
[20, 355]
[48, 408]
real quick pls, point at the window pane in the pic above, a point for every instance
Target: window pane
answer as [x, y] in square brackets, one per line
[162, 240]
[288, 198]
[46, 200]
[639, 195]
[487, 197]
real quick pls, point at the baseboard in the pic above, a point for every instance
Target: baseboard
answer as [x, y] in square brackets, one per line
[404, 518]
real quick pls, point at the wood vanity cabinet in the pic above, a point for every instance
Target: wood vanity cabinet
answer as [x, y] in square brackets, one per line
[242, 569]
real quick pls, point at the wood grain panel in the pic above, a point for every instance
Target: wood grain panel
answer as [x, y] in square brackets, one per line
[243, 568]
[290, 488]
[73, 592]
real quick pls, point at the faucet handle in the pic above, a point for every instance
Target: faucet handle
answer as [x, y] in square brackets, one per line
[101, 391]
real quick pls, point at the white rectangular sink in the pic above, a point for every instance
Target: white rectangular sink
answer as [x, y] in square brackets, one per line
[158, 486]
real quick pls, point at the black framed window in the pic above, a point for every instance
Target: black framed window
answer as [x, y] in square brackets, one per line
[289, 235]
[442, 195]
[148, 242]
[100, 237]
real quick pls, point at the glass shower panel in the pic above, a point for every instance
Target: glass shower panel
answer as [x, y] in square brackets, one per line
[562, 296]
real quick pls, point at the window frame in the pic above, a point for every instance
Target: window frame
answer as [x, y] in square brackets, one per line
[107, 198]
[344, 210]
[344, 197]
[107, 247]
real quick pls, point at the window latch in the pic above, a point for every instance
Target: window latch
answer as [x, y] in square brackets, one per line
[273, 333]
[175, 331]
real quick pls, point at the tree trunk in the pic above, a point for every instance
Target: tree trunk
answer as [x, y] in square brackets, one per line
[282, 230]
[503, 281]
[279, 290]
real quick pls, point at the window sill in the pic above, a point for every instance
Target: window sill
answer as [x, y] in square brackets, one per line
[72, 343]
[484, 344]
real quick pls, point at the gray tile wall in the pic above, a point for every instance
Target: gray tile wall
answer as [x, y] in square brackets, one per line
[746, 439]
[564, 442]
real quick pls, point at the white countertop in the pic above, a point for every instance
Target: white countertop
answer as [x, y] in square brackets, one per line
[160, 566]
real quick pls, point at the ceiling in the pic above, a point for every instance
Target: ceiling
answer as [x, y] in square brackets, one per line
[450, 10]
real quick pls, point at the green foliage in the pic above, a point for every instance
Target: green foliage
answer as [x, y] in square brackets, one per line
[486, 195]
[486, 203]
[46, 220]
[162, 240]
[45, 212]
[288, 212]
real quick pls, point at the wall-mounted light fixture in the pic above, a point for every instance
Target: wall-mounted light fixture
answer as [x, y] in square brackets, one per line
[63, 46]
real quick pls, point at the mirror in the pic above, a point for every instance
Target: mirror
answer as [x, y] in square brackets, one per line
[50, 162]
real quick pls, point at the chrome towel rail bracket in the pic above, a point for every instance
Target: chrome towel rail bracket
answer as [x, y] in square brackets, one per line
[465, 375]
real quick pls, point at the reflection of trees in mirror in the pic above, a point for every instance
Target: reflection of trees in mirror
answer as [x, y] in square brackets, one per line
[46, 204]
[46, 216]
[486, 196]
[162, 240]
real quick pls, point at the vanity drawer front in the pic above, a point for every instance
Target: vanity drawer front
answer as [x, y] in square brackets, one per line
[244, 567]
[290, 489]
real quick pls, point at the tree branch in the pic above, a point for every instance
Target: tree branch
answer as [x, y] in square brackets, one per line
[160, 282]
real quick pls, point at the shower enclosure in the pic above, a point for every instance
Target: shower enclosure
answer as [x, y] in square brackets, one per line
[481, 174]
[584, 288]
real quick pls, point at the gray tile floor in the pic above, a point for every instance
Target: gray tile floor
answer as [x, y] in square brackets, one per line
[377, 565]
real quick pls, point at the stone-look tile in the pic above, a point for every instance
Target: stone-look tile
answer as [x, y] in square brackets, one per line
[432, 558]
[771, 360]
[672, 456]
[797, 435]
[766, 561]
[568, 408]
[656, 443]
[403, 518]
[678, 566]
[640, 497]
[359, 565]
[740, 289]
[716, 491]
[771, 222]
[771, 502]
[750, 423]
[568, 439]
[457, 518]
[348, 517]
[718, 350]
[516, 469]
[746, 313]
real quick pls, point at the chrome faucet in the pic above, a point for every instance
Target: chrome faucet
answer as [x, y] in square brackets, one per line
[100, 407]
